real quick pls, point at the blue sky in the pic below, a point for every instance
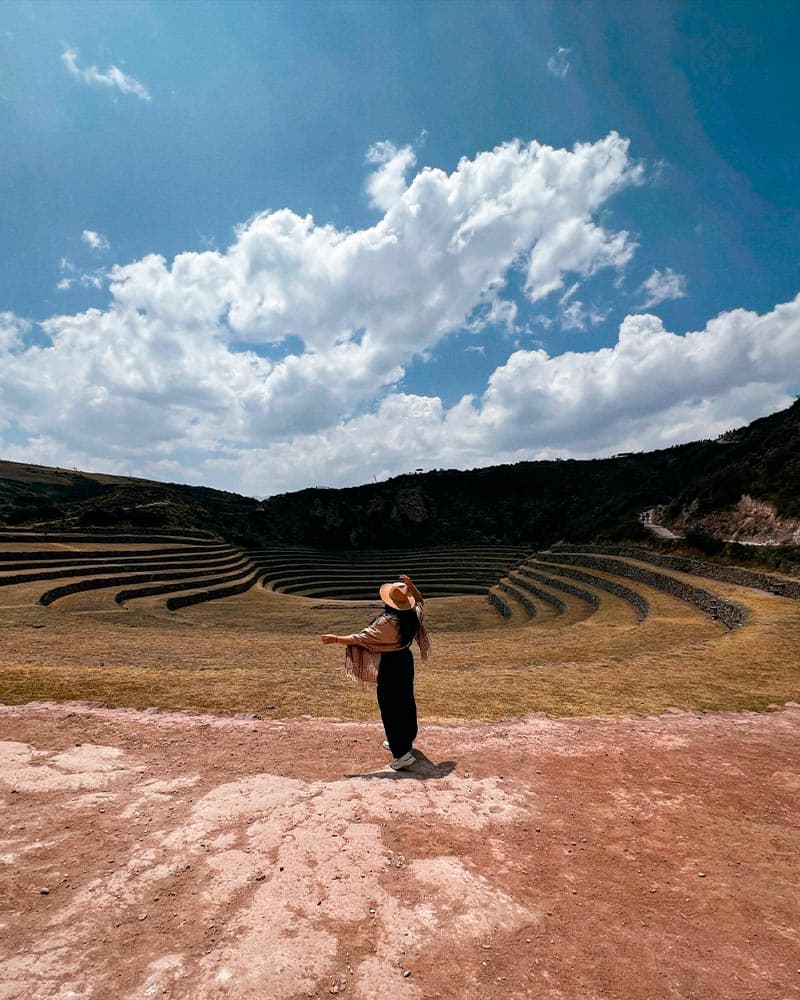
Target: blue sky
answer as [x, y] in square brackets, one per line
[275, 245]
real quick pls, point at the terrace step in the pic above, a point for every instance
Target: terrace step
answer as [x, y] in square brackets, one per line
[545, 596]
[519, 597]
[729, 614]
[100, 569]
[104, 582]
[190, 583]
[637, 601]
[358, 575]
[213, 594]
[551, 580]
[739, 575]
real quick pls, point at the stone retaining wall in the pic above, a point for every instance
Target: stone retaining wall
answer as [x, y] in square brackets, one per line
[731, 615]
[97, 555]
[98, 571]
[543, 595]
[633, 597]
[781, 586]
[170, 588]
[103, 583]
[203, 596]
[562, 585]
[519, 597]
[201, 538]
[498, 604]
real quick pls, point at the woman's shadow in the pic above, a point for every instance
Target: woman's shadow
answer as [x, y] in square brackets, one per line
[423, 769]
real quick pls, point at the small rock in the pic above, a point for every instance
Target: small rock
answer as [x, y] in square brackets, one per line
[407, 973]
[143, 916]
[44, 891]
[701, 874]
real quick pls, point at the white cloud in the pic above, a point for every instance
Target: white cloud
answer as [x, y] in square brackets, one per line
[96, 278]
[662, 286]
[387, 184]
[113, 76]
[158, 378]
[558, 63]
[94, 240]
[575, 316]
[12, 331]
[652, 389]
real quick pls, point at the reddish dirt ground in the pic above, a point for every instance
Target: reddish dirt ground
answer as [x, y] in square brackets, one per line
[152, 854]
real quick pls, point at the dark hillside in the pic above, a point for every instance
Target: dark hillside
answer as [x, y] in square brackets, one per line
[762, 460]
[537, 503]
[531, 504]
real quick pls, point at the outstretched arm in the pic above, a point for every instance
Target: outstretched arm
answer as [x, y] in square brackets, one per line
[329, 639]
[415, 592]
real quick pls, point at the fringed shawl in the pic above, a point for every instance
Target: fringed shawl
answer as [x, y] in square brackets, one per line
[362, 656]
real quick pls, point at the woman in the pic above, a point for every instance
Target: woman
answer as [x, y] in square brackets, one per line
[381, 653]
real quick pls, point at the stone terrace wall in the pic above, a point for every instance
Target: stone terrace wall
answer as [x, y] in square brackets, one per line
[731, 615]
[499, 604]
[781, 586]
[633, 597]
[543, 595]
[204, 596]
[519, 597]
[562, 585]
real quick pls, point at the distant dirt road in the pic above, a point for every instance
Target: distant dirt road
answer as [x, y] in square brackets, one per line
[154, 854]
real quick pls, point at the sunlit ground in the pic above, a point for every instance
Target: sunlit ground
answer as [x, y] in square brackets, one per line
[260, 653]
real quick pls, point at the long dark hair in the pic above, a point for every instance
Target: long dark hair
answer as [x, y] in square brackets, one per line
[407, 623]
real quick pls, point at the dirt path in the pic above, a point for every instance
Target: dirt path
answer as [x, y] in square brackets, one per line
[152, 855]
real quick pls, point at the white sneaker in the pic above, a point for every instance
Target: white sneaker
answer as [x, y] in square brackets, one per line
[405, 761]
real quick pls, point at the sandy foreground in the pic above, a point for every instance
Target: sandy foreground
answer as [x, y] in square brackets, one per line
[149, 854]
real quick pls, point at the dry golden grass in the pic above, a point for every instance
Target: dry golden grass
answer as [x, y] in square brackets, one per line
[260, 652]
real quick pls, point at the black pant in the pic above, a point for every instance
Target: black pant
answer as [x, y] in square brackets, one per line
[396, 700]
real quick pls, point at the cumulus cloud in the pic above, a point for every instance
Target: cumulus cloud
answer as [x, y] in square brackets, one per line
[662, 286]
[12, 330]
[387, 183]
[652, 389]
[113, 77]
[558, 63]
[276, 362]
[94, 240]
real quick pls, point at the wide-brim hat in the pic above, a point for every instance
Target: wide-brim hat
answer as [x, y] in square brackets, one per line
[396, 595]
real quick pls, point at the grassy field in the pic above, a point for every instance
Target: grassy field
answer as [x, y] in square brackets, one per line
[260, 653]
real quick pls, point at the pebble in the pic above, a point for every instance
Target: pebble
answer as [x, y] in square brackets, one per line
[44, 891]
